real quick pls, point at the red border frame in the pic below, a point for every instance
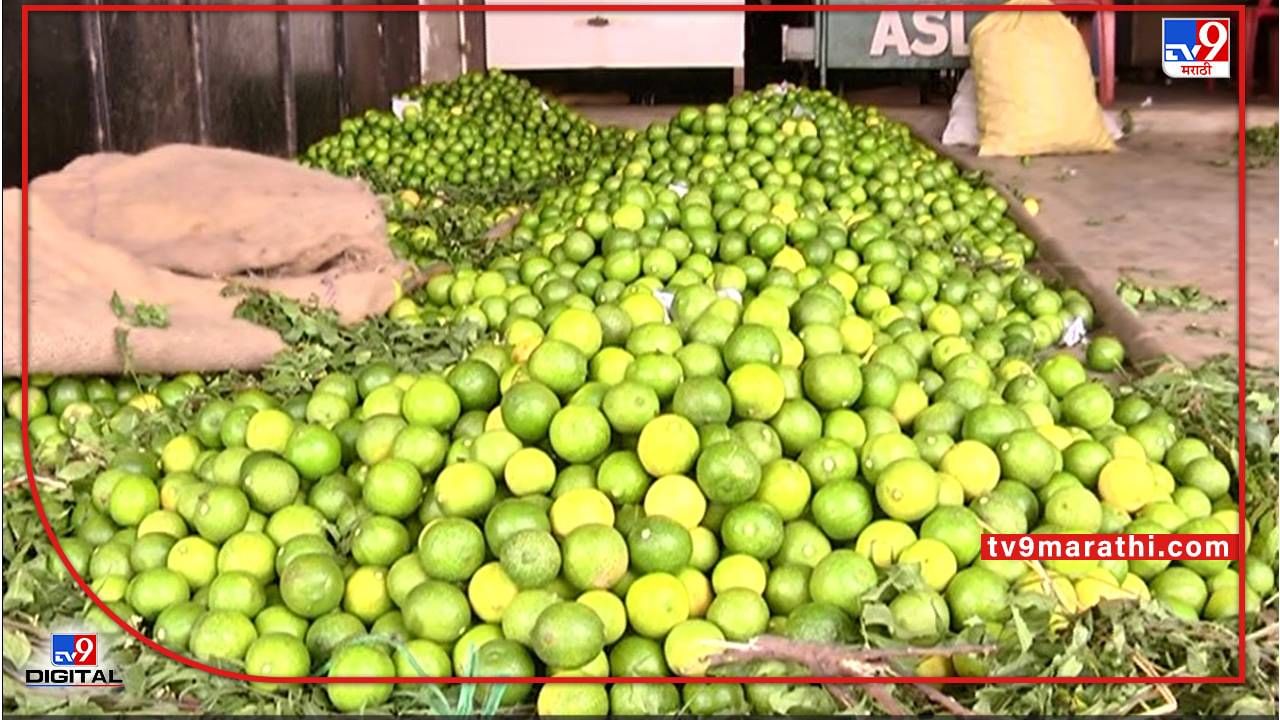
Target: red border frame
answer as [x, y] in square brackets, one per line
[1237, 10]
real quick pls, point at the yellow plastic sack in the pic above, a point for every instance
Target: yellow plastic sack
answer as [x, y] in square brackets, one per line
[1035, 86]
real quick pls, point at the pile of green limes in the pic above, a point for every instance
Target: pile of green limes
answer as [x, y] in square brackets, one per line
[462, 156]
[775, 349]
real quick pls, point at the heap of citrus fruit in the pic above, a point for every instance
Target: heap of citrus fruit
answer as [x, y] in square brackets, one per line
[469, 149]
[778, 348]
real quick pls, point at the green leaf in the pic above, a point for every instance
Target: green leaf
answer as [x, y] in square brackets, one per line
[76, 470]
[117, 305]
[1070, 667]
[1025, 637]
[877, 614]
[17, 648]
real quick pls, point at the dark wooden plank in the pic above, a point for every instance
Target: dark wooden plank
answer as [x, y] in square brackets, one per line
[400, 49]
[364, 79]
[12, 107]
[243, 80]
[313, 52]
[149, 66]
[473, 41]
[59, 110]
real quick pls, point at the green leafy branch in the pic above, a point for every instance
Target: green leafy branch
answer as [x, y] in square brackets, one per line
[140, 315]
[1187, 298]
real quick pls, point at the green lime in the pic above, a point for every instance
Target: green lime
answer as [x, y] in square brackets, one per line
[841, 579]
[656, 603]
[1027, 457]
[829, 459]
[668, 445]
[379, 540]
[312, 585]
[270, 482]
[431, 402]
[1104, 354]
[531, 558]
[623, 478]
[172, 627]
[659, 544]
[788, 588]
[277, 655]
[919, 616]
[451, 549]
[220, 512]
[629, 406]
[757, 391]
[579, 434]
[236, 591]
[360, 661]
[437, 611]
[595, 557]
[1088, 405]
[279, 619]
[752, 528]
[957, 528]
[465, 489]
[907, 489]
[739, 613]
[832, 381]
[151, 591]
[567, 635]
[559, 366]
[221, 635]
[976, 592]
[511, 516]
[728, 472]
[819, 622]
[527, 410]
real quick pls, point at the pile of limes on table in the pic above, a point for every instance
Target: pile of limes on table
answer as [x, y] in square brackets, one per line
[461, 156]
[781, 349]
[478, 131]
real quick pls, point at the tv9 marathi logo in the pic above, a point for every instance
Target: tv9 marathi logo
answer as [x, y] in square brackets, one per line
[73, 663]
[1196, 47]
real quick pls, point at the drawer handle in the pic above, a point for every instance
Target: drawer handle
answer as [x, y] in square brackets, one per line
[598, 21]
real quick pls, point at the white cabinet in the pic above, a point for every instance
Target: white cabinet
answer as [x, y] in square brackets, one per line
[520, 40]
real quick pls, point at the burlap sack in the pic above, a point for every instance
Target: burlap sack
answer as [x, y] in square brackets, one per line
[1035, 86]
[173, 226]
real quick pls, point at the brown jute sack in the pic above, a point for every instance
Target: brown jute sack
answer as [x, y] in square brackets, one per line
[173, 227]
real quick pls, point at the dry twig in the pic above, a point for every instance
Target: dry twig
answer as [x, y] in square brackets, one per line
[838, 660]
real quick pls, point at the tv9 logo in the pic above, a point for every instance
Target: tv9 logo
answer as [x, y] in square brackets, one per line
[1196, 47]
[75, 660]
[72, 650]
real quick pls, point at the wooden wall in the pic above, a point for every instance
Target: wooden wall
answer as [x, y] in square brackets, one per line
[271, 82]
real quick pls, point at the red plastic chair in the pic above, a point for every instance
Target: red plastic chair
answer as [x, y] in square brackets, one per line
[1253, 19]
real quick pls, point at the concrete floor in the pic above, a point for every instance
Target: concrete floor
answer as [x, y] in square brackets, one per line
[1161, 209]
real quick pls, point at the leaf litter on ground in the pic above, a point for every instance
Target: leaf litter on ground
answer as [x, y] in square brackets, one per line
[1185, 298]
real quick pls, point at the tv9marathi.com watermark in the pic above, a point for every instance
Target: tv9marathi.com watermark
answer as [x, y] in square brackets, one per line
[1094, 546]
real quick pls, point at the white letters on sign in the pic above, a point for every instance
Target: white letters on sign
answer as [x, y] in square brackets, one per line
[889, 31]
[933, 33]
[959, 42]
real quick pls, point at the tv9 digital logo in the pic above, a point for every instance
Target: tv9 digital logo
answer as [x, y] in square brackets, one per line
[72, 650]
[1196, 47]
[73, 662]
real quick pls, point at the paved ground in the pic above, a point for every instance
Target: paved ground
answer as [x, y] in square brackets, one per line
[1162, 209]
